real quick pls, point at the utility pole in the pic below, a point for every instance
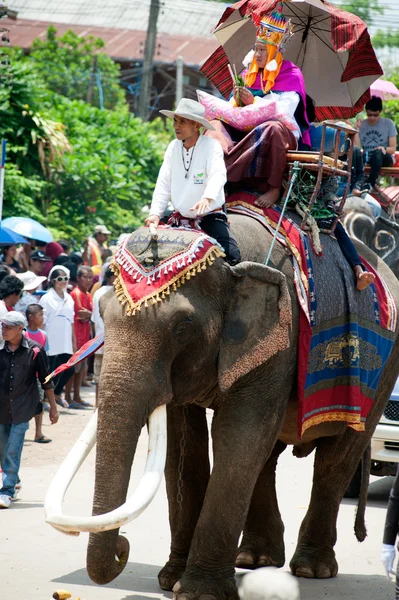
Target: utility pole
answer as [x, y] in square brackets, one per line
[146, 78]
[179, 79]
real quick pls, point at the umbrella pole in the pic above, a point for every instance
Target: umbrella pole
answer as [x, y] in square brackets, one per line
[2, 173]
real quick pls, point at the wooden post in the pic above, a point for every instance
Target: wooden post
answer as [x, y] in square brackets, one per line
[146, 78]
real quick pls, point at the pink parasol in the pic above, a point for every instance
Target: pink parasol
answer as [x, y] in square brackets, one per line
[386, 90]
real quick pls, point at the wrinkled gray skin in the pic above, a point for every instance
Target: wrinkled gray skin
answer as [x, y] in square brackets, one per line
[381, 234]
[181, 352]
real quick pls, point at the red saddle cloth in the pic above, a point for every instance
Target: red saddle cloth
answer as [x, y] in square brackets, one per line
[345, 336]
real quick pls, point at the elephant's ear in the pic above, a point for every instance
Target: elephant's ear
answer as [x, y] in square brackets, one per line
[105, 298]
[257, 323]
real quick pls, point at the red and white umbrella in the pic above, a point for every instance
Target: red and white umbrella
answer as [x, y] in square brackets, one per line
[386, 90]
[331, 46]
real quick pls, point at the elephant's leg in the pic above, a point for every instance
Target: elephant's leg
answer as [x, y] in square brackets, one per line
[335, 463]
[187, 475]
[243, 436]
[262, 544]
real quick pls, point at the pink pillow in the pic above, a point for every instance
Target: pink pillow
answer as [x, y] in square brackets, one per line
[243, 118]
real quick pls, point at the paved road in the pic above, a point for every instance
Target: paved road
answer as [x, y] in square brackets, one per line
[36, 559]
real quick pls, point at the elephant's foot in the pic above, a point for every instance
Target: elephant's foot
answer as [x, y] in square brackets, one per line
[171, 573]
[205, 588]
[314, 563]
[259, 554]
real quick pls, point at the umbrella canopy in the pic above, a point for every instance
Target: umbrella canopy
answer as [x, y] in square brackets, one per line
[9, 238]
[331, 46]
[386, 90]
[29, 228]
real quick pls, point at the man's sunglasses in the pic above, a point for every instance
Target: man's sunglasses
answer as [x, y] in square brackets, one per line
[60, 278]
[373, 114]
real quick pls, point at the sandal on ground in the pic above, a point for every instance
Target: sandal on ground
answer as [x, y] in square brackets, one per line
[77, 405]
[61, 402]
[42, 440]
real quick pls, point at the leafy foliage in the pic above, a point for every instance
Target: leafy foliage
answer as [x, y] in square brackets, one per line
[71, 165]
[364, 9]
[386, 38]
[109, 176]
[66, 65]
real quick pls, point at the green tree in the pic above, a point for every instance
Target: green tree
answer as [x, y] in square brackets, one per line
[364, 9]
[111, 172]
[71, 65]
[34, 143]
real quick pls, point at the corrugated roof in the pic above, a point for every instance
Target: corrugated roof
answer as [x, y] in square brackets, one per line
[177, 17]
[122, 44]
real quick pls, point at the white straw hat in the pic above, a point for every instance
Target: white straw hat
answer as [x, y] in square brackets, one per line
[191, 110]
[30, 280]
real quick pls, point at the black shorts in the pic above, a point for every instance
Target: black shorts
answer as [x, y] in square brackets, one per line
[39, 409]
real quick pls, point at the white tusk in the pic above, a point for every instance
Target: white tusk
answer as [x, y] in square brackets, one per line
[69, 468]
[133, 506]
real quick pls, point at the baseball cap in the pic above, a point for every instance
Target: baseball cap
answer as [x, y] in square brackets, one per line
[102, 229]
[30, 280]
[40, 255]
[14, 318]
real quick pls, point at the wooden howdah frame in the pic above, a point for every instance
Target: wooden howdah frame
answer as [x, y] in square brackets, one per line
[325, 164]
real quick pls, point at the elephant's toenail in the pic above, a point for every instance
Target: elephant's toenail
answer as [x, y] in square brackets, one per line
[245, 558]
[184, 596]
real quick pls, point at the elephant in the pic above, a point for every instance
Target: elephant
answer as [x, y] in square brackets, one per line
[381, 234]
[225, 340]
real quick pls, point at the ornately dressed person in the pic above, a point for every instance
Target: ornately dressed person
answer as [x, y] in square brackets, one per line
[257, 160]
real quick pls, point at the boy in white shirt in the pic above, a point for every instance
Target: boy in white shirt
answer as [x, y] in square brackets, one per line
[192, 177]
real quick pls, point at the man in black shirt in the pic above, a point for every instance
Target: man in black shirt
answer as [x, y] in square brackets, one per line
[22, 362]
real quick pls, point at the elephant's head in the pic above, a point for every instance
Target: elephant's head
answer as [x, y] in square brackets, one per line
[359, 220]
[199, 341]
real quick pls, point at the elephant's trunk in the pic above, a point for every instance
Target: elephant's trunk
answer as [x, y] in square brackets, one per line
[133, 507]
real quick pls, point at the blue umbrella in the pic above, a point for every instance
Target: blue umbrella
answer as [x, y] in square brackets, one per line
[9, 238]
[29, 228]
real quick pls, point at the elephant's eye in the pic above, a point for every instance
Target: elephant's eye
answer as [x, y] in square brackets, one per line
[184, 331]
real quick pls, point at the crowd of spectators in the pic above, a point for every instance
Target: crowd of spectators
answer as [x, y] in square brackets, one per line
[56, 289]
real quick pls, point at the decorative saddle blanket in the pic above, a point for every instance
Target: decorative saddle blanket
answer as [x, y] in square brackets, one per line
[147, 271]
[345, 336]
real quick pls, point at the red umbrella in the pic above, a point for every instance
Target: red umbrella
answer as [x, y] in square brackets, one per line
[330, 45]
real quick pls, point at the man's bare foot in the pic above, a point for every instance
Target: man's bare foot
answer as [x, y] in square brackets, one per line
[269, 198]
[364, 279]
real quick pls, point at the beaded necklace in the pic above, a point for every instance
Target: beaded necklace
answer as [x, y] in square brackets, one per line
[187, 169]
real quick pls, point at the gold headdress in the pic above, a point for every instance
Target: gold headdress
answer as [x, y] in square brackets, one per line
[275, 31]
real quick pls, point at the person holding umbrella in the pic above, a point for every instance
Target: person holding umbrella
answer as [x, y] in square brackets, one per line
[257, 159]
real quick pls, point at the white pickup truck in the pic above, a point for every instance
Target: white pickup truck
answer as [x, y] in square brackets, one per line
[384, 445]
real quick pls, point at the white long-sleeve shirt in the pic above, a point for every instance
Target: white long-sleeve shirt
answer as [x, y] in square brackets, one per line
[206, 177]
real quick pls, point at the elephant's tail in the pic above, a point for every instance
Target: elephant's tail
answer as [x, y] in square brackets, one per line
[360, 524]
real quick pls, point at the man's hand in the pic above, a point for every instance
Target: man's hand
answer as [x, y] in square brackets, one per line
[84, 314]
[152, 219]
[241, 93]
[202, 207]
[382, 148]
[53, 414]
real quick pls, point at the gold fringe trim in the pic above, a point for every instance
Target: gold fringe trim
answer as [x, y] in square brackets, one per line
[131, 307]
[350, 419]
